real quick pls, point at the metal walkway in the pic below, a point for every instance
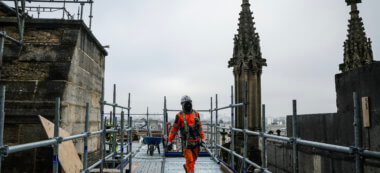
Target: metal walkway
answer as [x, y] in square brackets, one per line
[203, 165]
[144, 163]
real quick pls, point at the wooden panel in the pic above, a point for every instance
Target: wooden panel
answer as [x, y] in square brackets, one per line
[67, 154]
[365, 109]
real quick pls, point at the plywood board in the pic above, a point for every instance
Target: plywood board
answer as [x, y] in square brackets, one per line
[365, 109]
[67, 154]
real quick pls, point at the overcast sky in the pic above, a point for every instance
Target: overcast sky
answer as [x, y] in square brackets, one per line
[175, 47]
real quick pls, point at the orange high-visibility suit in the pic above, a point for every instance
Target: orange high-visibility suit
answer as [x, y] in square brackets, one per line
[190, 153]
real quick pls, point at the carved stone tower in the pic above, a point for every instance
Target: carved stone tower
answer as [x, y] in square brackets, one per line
[247, 63]
[357, 48]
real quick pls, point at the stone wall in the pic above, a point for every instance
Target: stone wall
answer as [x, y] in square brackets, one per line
[312, 160]
[334, 128]
[60, 59]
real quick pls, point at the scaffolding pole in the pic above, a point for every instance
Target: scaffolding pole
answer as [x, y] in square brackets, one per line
[114, 124]
[2, 117]
[122, 142]
[85, 143]
[216, 125]
[102, 122]
[245, 127]
[294, 126]
[263, 144]
[56, 135]
[232, 132]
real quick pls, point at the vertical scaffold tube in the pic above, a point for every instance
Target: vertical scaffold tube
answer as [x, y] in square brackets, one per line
[90, 16]
[358, 162]
[56, 134]
[147, 122]
[263, 147]
[212, 130]
[122, 142]
[165, 123]
[232, 132]
[129, 133]
[103, 135]
[295, 126]
[114, 125]
[245, 127]
[85, 149]
[216, 126]
[1, 52]
[2, 117]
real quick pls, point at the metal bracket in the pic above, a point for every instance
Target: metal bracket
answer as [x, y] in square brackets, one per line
[292, 140]
[59, 139]
[4, 151]
[355, 150]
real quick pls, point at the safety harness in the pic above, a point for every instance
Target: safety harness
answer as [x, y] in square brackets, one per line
[185, 123]
[193, 133]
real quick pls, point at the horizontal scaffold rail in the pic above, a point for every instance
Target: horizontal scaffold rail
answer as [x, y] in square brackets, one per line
[59, 1]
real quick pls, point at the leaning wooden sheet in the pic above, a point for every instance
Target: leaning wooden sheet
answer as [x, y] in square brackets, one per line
[67, 154]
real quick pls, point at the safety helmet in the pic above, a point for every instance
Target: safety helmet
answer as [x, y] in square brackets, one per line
[185, 98]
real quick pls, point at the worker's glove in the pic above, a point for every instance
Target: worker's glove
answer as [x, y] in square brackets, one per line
[170, 146]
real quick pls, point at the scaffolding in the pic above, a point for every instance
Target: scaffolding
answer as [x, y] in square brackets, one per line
[45, 9]
[115, 156]
[214, 148]
[118, 156]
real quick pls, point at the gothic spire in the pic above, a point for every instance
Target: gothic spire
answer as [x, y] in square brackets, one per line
[357, 47]
[247, 53]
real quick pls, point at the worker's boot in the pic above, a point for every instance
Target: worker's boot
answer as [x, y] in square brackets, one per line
[184, 167]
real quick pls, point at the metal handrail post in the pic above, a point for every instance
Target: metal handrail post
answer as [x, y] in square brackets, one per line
[129, 114]
[147, 122]
[232, 132]
[102, 141]
[56, 135]
[122, 142]
[2, 117]
[294, 139]
[212, 129]
[1, 53]
[165, 122]
[245, 127]
[114, 124]
[85, 151]
[216, 126]
[129, 133]
[357, 136]
[263, 147]
[130, 142]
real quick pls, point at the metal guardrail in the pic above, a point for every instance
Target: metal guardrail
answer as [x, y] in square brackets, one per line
[56, 140]
[214, 148]
[356, 150]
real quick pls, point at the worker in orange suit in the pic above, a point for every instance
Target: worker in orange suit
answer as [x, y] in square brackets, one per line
[190, 126]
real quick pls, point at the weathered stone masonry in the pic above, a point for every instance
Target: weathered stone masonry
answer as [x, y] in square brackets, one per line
[61, 58]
